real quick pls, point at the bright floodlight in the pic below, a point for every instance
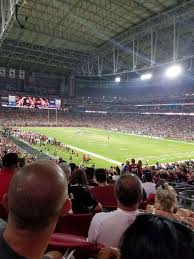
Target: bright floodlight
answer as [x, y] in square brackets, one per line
[118, 79]
[174, 71]
[147, 76]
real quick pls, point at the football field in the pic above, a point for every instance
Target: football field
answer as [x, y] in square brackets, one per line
[107, 148]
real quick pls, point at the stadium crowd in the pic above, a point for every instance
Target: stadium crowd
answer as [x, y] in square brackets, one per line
[41, 194]
[166, 126]
[131, 211]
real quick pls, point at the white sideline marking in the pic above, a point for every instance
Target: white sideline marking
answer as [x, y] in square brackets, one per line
[95, 155]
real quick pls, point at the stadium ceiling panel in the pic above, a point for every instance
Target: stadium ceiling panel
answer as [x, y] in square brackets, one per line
[94, 37]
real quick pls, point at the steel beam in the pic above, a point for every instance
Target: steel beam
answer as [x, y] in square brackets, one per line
[8, 9]
[155, 42]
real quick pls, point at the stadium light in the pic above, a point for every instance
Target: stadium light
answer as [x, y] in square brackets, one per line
[118, 79]
[147, 76]
[174, 71]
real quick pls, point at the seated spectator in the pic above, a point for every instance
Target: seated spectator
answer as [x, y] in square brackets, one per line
[81, 198]
[37, 195]
[166, 202]
[149, 186]
[151, 237]
[161, 180]
[10, 165]
[101, 177]
[66, 169]
[107, 228]
[91, 177]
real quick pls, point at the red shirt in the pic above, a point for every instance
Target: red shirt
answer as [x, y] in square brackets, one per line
[5, 178]
[135, 168]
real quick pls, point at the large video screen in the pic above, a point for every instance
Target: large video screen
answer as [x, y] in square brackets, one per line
[30, 102]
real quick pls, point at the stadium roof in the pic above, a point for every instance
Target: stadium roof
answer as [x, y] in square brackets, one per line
[89, 37]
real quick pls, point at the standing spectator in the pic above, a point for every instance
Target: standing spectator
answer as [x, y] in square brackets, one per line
[135, 168]
[107, 228]
[125, 168]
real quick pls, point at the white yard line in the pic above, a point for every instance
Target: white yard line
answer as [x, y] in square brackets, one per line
[95, 155]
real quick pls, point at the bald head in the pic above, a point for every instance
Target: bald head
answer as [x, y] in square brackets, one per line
[66, 169]
[129, 190]
[36, 195]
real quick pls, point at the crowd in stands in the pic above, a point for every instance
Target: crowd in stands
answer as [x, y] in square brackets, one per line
[123, 217]
[166, 126]
[50, 208]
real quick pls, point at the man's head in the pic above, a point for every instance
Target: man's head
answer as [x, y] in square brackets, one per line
[148, 177]
[90, 173]
[36, 196]
[133, 161]
[129, 191]
[101, 175]
[66, 169]
[10, 161]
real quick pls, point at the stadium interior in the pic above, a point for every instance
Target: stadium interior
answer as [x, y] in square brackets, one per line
[96, 129]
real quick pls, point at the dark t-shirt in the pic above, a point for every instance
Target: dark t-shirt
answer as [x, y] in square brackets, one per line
[6, 252]
[81, 198]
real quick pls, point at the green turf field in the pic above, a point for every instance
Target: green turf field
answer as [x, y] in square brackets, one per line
[118, 147]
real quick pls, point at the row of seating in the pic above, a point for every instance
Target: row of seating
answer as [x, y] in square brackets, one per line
[105, 195]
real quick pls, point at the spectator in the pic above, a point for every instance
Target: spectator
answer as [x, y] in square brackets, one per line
[10, 165]
[149, 186]
[125, 167]
[162, 179]
[91, 177]
[151, 237]
[135, 168]
[148, 238]
[37, 195]
[166, 202]
[66, 169]
[101, 177]
[81, 198]
[107, 228]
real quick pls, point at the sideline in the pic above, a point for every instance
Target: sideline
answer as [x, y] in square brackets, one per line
[95, 155]
[80, 150]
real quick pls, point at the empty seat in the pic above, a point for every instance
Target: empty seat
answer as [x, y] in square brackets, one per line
[75, 224]
[105, 195]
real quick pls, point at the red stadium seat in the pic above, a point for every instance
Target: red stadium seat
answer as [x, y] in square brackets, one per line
[5, 179]
[105, 195]
[84, 249]
[142, 205]
[75, 224]
[151, 199]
